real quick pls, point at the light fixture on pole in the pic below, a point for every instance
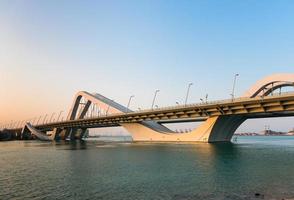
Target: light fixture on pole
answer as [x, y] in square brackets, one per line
[39, 120]
[188, 90]
[59, 115]
[129, 102]
[155, 94]
[234, 84]
[45, 118]
[51, 117]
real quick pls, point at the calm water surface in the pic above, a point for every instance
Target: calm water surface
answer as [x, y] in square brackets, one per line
[104, 170]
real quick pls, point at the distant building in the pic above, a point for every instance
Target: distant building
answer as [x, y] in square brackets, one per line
[270, 132]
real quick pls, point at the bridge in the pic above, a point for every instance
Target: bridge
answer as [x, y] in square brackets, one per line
[220, 118]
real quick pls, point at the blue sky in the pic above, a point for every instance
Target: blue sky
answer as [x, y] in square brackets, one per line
[51, 49]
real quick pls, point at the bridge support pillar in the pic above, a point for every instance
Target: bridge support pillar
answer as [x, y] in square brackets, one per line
[25, 134]
[57, 133]
[76, 133]
[214, 129]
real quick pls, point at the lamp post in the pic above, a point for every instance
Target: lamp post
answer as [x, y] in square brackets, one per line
[13, 124]
[59, 115]
[201, 100]
[16, 126]
[129, 102]
[206, 97]
[33, 121]
[107, 110]
[45, 118]
[51, 116]
[234, 84]
[188, 90]
[39, 120]
[155, 94]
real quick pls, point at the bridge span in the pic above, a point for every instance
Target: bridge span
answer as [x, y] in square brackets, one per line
[220, 118]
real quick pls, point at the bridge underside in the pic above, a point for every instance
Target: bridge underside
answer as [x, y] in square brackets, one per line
[214, 129]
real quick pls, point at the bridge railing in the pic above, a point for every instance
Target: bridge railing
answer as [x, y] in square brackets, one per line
[240, 99]
[208, 103]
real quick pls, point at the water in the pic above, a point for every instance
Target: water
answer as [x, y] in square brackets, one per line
[99, 170]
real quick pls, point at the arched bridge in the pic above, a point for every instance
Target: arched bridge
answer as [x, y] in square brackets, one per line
[220, 118]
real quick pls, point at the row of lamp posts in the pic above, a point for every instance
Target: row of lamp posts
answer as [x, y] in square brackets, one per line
[18, 124]
[187, 95]
[154, 98]
[153, 101]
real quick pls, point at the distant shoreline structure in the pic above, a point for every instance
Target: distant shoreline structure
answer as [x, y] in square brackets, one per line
[266, 133]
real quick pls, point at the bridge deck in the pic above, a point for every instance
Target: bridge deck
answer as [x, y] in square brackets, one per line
[269, 106]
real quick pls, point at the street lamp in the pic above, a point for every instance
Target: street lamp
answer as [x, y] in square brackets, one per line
[106, 113]
[39, 120]
[16, 125]
[51, 117]
[188, 90]
[156, 91]
[201, 100]
[45, 118]
[177, 103]
[59, 115]
[129, 102]
[234, 83]
[206, 97]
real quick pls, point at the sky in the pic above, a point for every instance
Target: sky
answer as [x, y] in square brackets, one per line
[50, 50]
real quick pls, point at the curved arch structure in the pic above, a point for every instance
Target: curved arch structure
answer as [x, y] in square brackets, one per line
[268, 84]
[104, 103]
[38, 134]
[108, 106]
[79, 110]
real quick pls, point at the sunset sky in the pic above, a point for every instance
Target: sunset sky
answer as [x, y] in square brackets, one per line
[49, 50]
